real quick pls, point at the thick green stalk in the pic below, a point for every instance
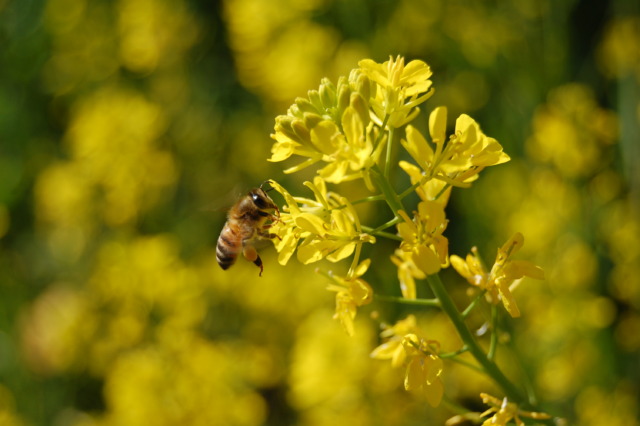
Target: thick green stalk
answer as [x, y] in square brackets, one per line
[390, 195]
[511, 391]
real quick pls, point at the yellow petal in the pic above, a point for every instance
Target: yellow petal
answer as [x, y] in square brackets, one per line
[310, 223]
[418, 147]
[362, 268]
[282, 150]
[414, 376]
[433, 367]
[399, 356]
[360, 292]
[334, 172]
[309, 251]
[426, 260]
[438, 125]
[338, 250]
[507, 300]
[385, 350]
[353, 127]
[407, 283]
[434, 393]
[467, 128]
[511, 246]
[286, 246]
[416, 71]
[324, 137]
[460, 266]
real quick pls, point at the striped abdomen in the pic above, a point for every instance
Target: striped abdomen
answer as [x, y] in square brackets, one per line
[229, 246]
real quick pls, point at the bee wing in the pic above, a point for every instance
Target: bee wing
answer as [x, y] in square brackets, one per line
[223, 200]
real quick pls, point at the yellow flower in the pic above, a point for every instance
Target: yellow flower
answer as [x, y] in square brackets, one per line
[407, 272]
[351, 292]
[404, 345]
[423, 370]
[392, 348]
[503, 274]
[429, 190]
[458, 159]
[506, 411]
[326, 227]
[422, 240]
[400, 89]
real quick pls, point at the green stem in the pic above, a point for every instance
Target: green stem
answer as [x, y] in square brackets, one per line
[387, 160]
[473, 304]
[466, 364]
[368, 199]
[493, 345]
[388, 235]
[512, 392]
[390, 195]
[409, 190]
[421, 302]
[454, 354]
[389, 224]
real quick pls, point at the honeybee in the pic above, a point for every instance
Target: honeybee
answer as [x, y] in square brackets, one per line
[247, 221]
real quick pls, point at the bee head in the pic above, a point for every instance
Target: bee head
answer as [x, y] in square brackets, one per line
[261, 199]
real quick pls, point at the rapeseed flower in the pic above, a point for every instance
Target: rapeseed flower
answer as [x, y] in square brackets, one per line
[505, 411]
[392, 348]
[503, 274]
[457, 160]
[425, 248]
[405, 346]
[399, 89]
[351, 293]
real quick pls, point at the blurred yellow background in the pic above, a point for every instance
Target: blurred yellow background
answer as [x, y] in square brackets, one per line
[128, 127]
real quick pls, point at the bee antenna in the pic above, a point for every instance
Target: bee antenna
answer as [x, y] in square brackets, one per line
[266, 182]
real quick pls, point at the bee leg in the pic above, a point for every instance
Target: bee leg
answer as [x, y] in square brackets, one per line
[269, 235]
[251, 254]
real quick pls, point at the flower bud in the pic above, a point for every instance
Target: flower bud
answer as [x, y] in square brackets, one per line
[344, 94]
[311, 119]
[363, 86]
[361, 107]
[284, 126]
[300, 129]
[314, 98]
[327, 94]
[304, 106]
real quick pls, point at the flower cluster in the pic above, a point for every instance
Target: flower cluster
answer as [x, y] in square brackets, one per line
[348, 132]
[343, 125]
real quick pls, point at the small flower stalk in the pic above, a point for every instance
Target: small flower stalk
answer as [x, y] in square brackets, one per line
[353, 130]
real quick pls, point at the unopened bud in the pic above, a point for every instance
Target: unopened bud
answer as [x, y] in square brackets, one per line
[361, 107]
[327, 94]
[311, 120]
[300, 129]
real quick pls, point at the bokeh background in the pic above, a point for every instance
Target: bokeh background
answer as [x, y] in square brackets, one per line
[128, 127]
